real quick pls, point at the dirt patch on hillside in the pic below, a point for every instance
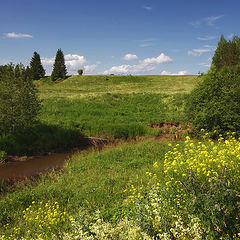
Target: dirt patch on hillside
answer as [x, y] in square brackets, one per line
[171, 130]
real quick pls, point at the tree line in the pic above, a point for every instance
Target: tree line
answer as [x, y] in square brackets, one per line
[214, 104]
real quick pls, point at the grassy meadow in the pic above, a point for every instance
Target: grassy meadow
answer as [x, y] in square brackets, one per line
[145, 189]
[115, 106]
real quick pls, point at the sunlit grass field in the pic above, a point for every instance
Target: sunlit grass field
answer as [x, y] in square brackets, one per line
[107, 105]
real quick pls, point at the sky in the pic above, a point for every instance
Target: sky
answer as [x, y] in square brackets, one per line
[138, 37]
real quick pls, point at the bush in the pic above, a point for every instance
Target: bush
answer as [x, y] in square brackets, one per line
[214, 104]
[80, 72]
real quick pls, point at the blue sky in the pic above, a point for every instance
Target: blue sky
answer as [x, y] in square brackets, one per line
[117, 36]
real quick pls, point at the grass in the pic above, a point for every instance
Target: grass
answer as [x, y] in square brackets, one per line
[100, 105]
[122, 107]
[103, 106]
[84, 86]
[93, 180]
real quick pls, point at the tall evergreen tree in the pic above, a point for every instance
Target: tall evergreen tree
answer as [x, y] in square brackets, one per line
[36, 68]
[227, 53]
[59, 68]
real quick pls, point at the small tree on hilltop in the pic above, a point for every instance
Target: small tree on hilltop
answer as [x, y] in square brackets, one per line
[80, 72]
[36, 68]
[59, 68]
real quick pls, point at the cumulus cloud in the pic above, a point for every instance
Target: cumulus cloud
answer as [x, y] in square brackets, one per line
[184, 72]
[47, 61]
[89, 69]
[129, 57]
[198, 52]
[18, 35]
[72, 61]
[146, 65]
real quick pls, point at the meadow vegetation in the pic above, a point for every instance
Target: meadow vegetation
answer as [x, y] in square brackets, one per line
[120, 107]
[145, 187]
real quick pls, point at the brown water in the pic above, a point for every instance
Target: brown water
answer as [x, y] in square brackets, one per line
[33, 166]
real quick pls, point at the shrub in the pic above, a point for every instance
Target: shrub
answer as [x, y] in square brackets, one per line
[80, 72]
[214, 104]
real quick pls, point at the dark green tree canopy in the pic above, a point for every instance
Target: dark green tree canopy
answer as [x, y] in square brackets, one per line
[19, 103]
[36, 67]
[214, 104]
[227, 53]
[80, 72]
[59, 67]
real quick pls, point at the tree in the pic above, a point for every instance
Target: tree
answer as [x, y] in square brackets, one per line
[227, 53]
[36, 67]
[59, 68]
[80, 72]
[19, 103]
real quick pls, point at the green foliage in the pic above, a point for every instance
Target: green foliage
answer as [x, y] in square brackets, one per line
[194, 194]
[19, 103]
[80, 72]
[36, 67]
[227, 53]
[40, 138]
[59, 67]
[3, 156]
[129, 131]
[214, 104]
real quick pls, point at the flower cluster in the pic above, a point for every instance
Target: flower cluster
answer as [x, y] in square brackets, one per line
[46, 217]
[198, 179]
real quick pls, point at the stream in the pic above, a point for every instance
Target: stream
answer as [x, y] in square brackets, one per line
[32, 166]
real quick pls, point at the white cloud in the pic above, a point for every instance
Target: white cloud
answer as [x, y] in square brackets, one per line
[18, 35]
[74, 61]
[198, 52]
[47, 61]
[129, 57]
[206, 38]
[149, 8]
[207, 63]
[89, 68]
[184, 72]
[146, 65]
[209, 21]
